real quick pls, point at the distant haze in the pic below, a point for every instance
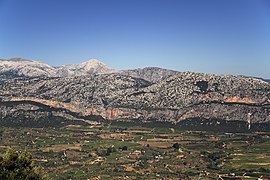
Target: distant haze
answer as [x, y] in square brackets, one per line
[210, 36]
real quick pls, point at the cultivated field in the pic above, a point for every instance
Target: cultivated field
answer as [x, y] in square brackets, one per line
[132, 152]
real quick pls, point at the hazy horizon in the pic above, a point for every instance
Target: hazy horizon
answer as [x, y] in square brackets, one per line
[221, 37]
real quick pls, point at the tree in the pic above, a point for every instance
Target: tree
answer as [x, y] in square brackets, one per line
[110, 150]
[124, 148]
[176, 145]
[19, 166]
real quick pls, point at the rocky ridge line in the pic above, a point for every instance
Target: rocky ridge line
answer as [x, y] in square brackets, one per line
[119, 97]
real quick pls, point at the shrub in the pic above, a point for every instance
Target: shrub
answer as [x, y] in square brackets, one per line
[19, 166]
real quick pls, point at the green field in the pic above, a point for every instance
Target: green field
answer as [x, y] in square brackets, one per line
[134, 152]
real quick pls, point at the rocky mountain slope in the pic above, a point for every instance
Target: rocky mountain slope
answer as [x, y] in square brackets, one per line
[152, 74]
[178, 98]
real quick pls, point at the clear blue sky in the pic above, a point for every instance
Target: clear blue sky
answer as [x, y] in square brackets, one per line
[212, 36]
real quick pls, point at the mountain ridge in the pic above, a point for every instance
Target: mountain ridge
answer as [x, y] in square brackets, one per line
[150, 94]
[111, 97]
[18, 67]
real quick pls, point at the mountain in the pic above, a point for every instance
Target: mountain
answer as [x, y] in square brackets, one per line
[35, 93]
[18, 67]
[267, 80]
[182, 97]
[92, 66]
[152, 74]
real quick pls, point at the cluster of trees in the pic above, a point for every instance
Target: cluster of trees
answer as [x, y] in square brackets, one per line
[19, 166]
[110, 150]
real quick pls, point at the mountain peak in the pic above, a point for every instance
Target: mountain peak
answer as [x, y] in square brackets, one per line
[93, 63]
[92, 66]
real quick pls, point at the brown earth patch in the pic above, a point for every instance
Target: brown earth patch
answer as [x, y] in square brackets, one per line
[62, 147]
[116, 136]
[237, 99]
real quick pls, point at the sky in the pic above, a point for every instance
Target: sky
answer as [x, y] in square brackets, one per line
[210, 36]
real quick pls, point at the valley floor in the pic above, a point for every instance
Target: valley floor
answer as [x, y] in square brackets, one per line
[133, 152]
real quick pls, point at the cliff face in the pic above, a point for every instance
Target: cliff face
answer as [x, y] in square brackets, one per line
[114, 96]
